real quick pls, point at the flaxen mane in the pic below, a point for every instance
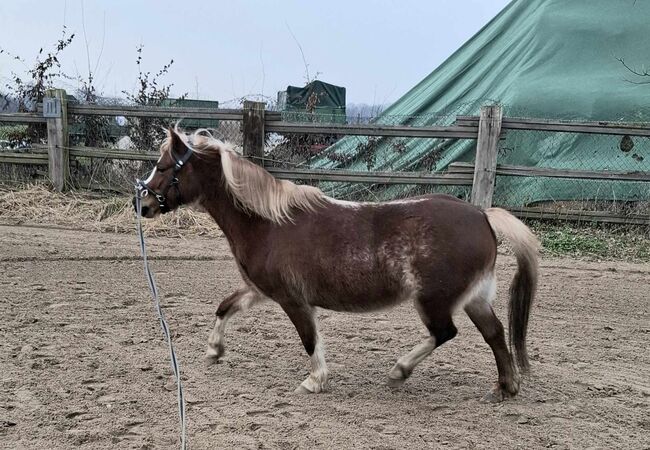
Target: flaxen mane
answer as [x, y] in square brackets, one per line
[253, 188]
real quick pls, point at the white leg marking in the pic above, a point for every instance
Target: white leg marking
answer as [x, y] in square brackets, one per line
[317, 380]
[405, 365]
[216, 339]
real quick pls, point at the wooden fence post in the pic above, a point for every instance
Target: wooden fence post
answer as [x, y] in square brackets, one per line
[253, 130]
[55, 109]
[489, 129]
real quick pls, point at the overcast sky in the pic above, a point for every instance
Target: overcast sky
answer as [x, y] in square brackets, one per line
[224, 50]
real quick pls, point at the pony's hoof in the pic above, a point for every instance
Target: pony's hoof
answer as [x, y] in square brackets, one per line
[495, 396]
[395, 383]
[311, 386]
[216, 349]
[211, 360]
[499, 394]
[214, 354]
[302, 390]
[397, 375]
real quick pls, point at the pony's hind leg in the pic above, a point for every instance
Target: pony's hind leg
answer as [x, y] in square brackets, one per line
[304, 319]
[481, 313]
[238, 301]
[441, 328]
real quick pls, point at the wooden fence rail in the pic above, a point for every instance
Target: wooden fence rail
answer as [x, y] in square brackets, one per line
[350, 176]
[442, 132]
[20, 118]
[525, 171]
[615, 128]
[23, 158]
[577, 215]
[486, 129]
[161, 112]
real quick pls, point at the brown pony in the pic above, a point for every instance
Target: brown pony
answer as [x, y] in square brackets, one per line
[303, 250]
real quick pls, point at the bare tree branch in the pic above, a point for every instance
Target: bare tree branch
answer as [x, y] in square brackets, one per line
[642, 73]
[304, 60]
[263, 71]
[101, 49]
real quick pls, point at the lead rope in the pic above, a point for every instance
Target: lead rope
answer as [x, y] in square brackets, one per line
[161, 317]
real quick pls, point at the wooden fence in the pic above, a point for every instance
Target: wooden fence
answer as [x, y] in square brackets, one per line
[486, 129]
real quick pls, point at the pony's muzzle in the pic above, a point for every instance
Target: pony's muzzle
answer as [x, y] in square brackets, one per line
[144, 209]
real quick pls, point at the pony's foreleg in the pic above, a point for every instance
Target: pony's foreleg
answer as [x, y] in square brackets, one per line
[441, 328]
[405, 364]
[304, 319]
[238, 301]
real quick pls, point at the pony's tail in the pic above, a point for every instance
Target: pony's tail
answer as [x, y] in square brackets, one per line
[522, 290]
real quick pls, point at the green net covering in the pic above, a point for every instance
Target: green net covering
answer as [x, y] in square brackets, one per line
[555, 59]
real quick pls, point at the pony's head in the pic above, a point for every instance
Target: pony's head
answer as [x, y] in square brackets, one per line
[172, 182]
[198, 168]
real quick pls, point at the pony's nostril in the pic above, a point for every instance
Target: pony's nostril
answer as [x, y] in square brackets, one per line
[143, 209]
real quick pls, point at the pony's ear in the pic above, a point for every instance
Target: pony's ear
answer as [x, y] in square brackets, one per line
[176, 143]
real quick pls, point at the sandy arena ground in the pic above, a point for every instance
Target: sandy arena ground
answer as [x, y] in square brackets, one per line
[83, 362]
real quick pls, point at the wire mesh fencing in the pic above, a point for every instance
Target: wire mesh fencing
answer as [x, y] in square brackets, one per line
[373, 158]
[130, 137]
[351, 151]
[597, 175]
[23, 139]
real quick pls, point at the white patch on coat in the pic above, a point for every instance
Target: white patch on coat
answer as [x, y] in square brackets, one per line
[484, 287]
[344, 203]
[358, 205]
[398, 255]
[410, 283]
[408, 201]
[299, 284]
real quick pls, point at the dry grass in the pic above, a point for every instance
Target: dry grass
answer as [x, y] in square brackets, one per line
[36, 204]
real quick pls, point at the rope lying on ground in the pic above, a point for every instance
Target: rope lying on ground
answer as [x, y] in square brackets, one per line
[163, 322]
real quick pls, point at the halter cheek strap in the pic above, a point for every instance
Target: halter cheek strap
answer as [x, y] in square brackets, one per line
[143, 188]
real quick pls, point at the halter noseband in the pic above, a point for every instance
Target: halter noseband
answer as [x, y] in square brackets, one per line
[143, 188]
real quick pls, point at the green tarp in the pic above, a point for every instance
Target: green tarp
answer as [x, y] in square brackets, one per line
[555, 59]
[317, 101]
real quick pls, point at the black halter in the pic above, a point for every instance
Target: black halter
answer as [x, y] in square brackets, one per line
[143, 189]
